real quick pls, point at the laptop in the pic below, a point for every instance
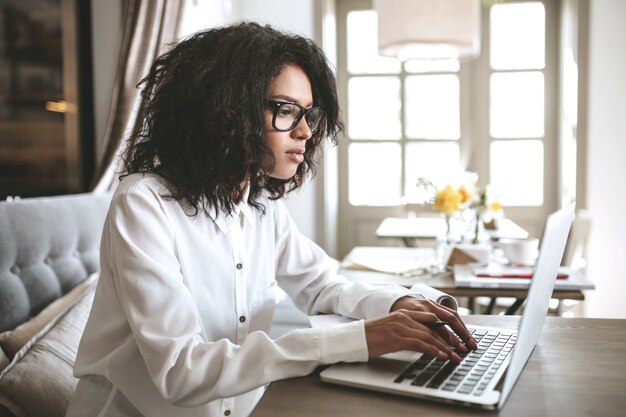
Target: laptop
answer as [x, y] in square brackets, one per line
[485, 377]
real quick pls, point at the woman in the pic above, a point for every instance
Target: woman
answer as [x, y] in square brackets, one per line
[196, 240]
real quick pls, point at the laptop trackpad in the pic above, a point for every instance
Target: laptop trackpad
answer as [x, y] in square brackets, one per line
[403, 355]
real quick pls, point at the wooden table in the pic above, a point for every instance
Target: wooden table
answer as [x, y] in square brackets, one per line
[578, 368]
[445, 282]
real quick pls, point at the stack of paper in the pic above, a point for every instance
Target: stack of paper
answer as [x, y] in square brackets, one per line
[400, 261]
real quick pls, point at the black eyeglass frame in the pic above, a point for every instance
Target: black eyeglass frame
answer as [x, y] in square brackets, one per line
[275, 105]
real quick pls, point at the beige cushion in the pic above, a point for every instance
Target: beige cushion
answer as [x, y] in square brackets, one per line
[39, 380]
[4, 361]
[11, 341]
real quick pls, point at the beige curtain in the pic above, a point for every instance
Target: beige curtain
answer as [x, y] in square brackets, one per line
[149, 28]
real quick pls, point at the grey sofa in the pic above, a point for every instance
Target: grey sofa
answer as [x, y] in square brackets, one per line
[49, 250]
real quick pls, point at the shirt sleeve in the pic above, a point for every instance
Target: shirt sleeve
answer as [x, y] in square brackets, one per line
[309, 276]
[139, 251]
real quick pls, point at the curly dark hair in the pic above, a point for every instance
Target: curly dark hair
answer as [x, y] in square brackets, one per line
[201, 122]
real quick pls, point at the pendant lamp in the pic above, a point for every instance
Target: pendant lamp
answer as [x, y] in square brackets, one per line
[428, 29]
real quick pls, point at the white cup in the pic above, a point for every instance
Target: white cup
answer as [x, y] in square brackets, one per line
[520, 251]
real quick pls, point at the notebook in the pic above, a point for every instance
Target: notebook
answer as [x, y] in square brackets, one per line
[485, 377]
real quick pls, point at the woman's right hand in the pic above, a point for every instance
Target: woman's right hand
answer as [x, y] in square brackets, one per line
[408, 330]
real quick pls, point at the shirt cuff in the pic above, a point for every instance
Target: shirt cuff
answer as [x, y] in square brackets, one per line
[436, 295]
[385, 297]
[344, 343]
[412, 295]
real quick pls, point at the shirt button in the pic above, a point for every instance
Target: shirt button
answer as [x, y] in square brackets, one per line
[239, 266]
[242, 319]
[227, 412]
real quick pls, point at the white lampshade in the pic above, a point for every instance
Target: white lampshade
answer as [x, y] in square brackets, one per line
[428, 29]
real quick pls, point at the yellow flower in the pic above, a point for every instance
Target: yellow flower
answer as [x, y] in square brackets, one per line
[447, 200]
[465, 195]
[495, 206]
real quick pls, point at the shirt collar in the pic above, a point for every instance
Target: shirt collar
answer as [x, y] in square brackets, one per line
[245, 208]
[225, 220]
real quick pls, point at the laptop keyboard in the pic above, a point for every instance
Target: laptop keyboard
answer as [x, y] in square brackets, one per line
[472, 375]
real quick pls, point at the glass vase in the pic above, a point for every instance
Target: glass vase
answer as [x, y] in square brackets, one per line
[442, 245]
[477, 227]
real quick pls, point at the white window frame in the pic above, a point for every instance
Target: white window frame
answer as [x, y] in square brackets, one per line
[357, 224]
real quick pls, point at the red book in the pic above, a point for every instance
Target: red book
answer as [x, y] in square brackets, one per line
[516, 275]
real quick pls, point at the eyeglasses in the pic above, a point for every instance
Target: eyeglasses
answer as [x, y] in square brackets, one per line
[286, 116]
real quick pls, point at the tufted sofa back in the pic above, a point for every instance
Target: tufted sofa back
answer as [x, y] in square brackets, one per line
[47, 246]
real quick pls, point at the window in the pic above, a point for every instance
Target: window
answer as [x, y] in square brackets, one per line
[493, 116]
[399, 116]
[516, 107]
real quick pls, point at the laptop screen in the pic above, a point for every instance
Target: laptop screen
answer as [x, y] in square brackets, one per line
[552, 247]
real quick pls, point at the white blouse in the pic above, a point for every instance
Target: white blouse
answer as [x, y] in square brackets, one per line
[183, 306]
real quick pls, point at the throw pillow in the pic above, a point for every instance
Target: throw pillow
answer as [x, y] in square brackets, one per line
[39, 382]
[11, 341]
[4, 361]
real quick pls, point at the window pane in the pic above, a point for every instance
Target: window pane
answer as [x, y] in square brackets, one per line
[374, 187]
[439, 162]
[517, 171]
[374, 108]
[435, 65]
[362, 45]
[517, 36]
[432, 107]
[517, 103]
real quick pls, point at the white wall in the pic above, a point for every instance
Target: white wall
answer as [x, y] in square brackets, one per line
[293, 16]
[606, 158]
